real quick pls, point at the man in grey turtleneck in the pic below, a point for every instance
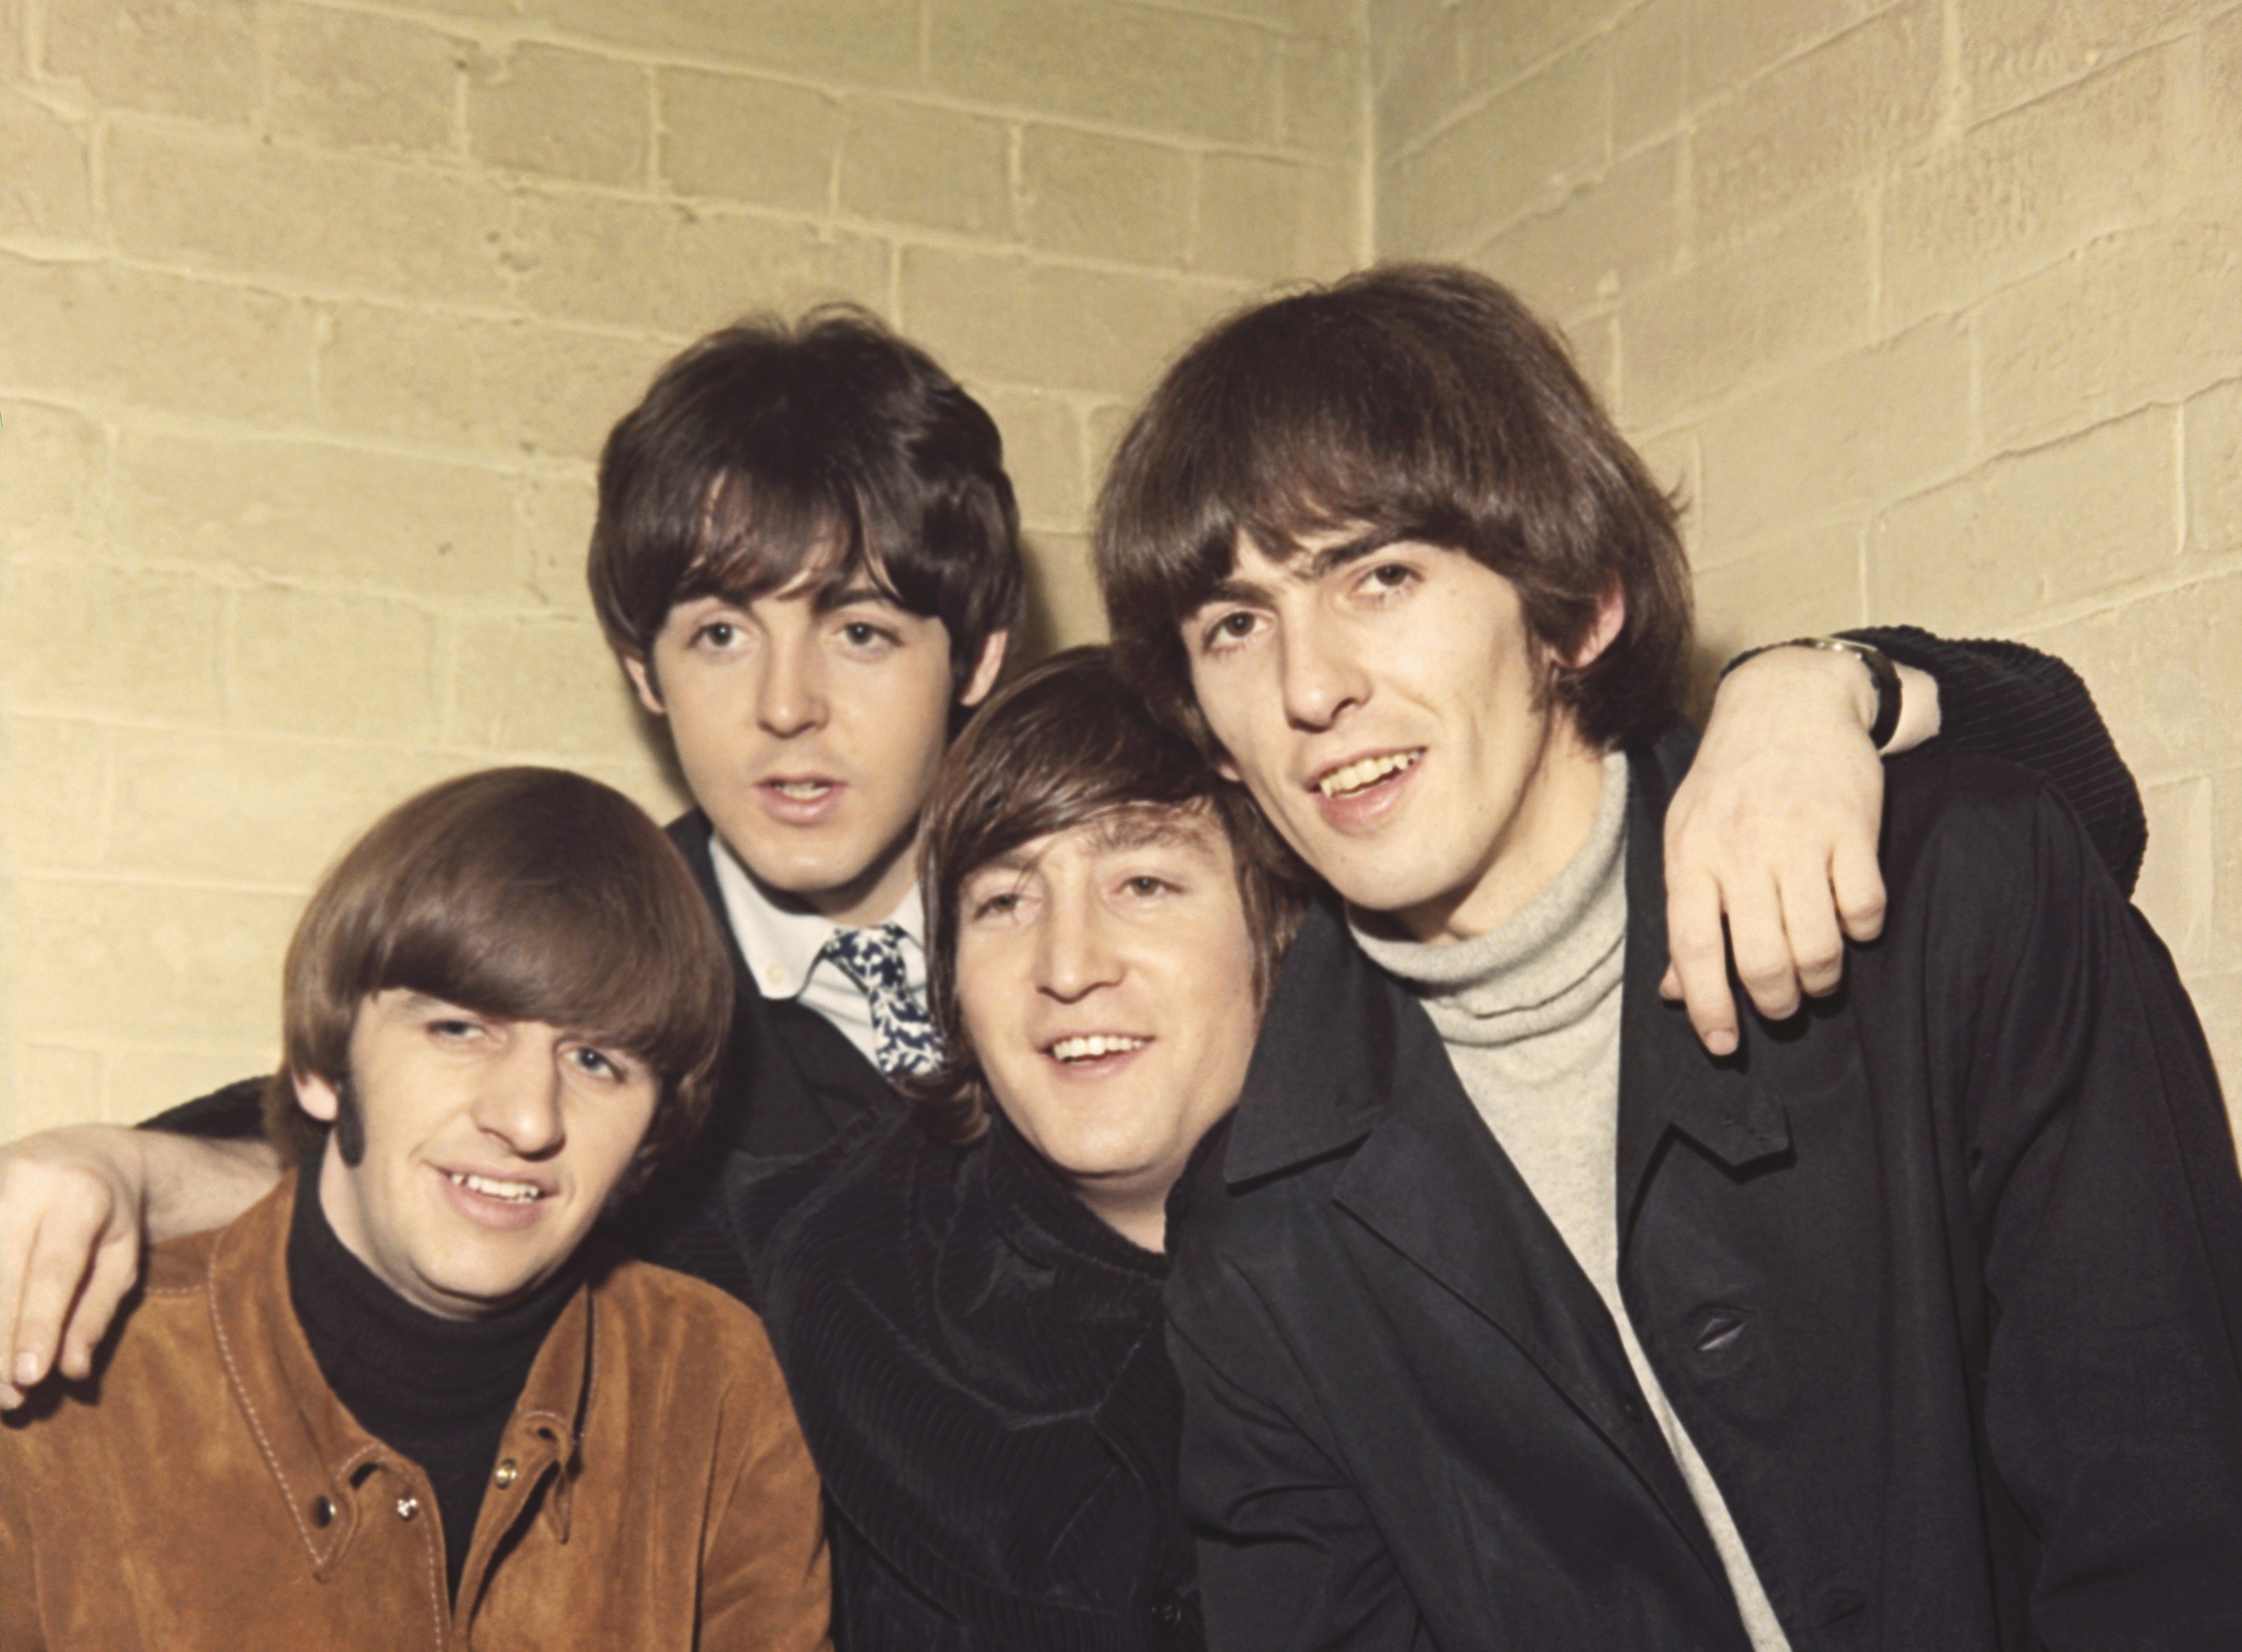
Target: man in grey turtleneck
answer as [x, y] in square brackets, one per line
[1506, 1314]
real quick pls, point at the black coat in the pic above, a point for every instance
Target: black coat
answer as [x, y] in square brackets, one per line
[1943, 1277]
[977, 1363]
[791, 1079]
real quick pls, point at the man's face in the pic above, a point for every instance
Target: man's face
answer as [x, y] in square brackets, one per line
[811, 735]
[491, 1147]
[1387, 710]
[1105, 976]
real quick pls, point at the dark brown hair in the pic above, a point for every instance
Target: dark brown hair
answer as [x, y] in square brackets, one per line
[1412, 401]
[767, 450]
[531, 894]
[1064, 744]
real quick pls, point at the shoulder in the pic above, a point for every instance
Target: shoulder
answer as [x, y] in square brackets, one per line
[1981, 831]
[663, 1320]
[180, 1266]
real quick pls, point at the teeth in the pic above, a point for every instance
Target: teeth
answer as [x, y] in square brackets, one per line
[802, 790]
[1368, 772]
[1093, 1045]
[513, 1192]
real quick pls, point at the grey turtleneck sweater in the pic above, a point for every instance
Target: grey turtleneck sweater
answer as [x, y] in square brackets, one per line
[1529, 1012]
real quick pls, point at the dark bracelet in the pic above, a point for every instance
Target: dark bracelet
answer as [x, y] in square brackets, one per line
[1881, 672]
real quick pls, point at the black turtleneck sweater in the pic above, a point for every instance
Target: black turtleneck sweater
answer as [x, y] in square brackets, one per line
[438, 1391]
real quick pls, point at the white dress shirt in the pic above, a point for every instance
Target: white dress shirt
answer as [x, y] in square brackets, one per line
[782, 941]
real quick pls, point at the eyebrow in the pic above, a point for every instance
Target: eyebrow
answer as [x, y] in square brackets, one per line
[1321, 563]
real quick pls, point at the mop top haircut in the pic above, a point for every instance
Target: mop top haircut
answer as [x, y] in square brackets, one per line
[529, 894]
[829, 448]
[1409, 402]
[1066, 744]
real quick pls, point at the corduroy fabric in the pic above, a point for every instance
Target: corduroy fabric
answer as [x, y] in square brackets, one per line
[978, 1365]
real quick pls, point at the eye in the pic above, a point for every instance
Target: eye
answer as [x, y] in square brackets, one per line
[454, 1029]
[1145, 883]
[1230, 629]
[998, 905]
[1389, 576]
[718, 633]
[598, 1062]
[861, 633]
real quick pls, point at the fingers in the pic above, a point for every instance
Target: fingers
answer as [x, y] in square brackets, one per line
[116, 1266]
[61, 1255]
[1858, 884]
[1816, 946]
[17, 1228]
[1761, 942]
[1698, 972]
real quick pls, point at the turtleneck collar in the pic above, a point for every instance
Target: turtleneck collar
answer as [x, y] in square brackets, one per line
[384, 1356]
[1546, 967]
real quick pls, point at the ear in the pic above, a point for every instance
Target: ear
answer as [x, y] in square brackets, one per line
[1611, 614]
[316, 1096]
[641, 678]
[985, 669]
[1228, 770]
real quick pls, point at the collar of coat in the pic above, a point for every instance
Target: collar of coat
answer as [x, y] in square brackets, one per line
[324, 1466]
[1344, 1048]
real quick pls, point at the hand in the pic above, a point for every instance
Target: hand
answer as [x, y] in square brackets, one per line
[71, 1216]
[1776, 826]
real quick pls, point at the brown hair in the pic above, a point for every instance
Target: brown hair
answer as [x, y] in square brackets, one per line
[767, 450]
[1064, 744]
[1412, 401]
[533, 894]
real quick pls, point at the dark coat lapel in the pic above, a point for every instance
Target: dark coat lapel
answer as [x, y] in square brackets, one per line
[1667, 1081]
[1348, 1057]
[792, 1081]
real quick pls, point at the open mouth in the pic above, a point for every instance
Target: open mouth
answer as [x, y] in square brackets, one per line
[1093, 1046]
[800, 791]
[1366, 772]
[493, 1187]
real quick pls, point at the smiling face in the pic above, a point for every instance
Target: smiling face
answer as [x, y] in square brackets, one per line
[810, 730]
[491, 1146]
[1106, 978]
[1389, 712]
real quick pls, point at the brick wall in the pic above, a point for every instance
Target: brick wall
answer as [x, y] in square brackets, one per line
[312, 316]
[1932, 307]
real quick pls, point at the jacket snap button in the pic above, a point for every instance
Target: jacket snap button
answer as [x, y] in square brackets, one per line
[407, 1507]
[505, 1475]
[323, 1512]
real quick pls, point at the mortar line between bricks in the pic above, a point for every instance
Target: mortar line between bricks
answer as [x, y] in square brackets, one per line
[499, 36]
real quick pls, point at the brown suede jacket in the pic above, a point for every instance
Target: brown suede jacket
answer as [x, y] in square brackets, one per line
[207, 1490]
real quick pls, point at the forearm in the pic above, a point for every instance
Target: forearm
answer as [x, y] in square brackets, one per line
[191, 1185]
[2007, 701]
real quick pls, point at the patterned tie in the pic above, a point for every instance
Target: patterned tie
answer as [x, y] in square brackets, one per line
[873, 958]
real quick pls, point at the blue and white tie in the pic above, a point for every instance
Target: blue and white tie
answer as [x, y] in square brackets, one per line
[873, 958]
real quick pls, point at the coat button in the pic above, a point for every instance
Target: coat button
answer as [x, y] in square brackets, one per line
[323, 1512]
[505, 1475]
[1168, 1617]
[407, 1507]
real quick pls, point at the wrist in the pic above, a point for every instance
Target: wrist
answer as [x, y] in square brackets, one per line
[1871, 683]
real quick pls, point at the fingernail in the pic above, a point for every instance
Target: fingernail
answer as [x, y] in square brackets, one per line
[27, 1369]
[1721, 1042]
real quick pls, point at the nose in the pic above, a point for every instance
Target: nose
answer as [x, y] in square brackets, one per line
[790, 699]
[1074, 954]
[1322, 675]
[519, 1099]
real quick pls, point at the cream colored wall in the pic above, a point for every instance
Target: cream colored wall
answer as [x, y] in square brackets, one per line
[1934, 309]
[312, 316]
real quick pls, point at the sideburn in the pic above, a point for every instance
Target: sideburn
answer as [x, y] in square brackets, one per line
[350, 1124]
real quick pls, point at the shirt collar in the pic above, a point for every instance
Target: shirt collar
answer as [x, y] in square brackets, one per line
[781, 943]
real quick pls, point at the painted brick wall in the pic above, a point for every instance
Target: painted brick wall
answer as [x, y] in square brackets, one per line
[314, 313]
[1933, 307]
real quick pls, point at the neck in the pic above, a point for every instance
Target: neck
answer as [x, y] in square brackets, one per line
[1556, 810]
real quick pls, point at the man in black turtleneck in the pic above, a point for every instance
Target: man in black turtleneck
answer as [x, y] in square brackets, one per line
[402, 1399]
